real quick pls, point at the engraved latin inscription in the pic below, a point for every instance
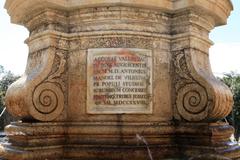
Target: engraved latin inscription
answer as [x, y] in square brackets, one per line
[119, 81]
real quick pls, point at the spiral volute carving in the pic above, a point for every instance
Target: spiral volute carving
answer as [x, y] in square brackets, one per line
[48, 101]
[192, 102]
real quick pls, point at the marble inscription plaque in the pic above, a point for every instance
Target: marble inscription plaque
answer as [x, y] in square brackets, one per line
[119, 81]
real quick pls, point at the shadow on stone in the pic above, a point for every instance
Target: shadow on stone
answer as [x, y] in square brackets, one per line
[209, 157]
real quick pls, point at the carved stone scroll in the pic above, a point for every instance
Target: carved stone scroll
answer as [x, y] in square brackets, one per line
[42, 97]
[196, 99]
[48, 97]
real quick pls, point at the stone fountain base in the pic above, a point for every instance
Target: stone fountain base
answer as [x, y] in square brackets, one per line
[108, 79]
[114, 141]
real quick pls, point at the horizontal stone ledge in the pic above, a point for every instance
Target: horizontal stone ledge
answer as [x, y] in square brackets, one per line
[19, 9]
[23, 129]
[74, 36]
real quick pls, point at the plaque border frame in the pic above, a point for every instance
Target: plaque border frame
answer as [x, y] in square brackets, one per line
[91, 108]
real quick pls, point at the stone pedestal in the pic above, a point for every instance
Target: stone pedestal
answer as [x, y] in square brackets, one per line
[118, 80]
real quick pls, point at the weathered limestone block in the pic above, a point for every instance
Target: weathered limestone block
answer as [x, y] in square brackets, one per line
[101, 73]
[59, 31]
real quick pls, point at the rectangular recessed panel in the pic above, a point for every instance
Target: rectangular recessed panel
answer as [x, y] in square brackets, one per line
[119, 81]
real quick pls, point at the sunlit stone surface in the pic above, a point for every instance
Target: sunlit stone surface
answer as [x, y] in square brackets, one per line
[118, 80]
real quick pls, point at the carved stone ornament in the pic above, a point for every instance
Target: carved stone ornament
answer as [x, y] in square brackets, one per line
[192, 99]
[118, 80]
[196, 99]
[48, 97]
[46, 102]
